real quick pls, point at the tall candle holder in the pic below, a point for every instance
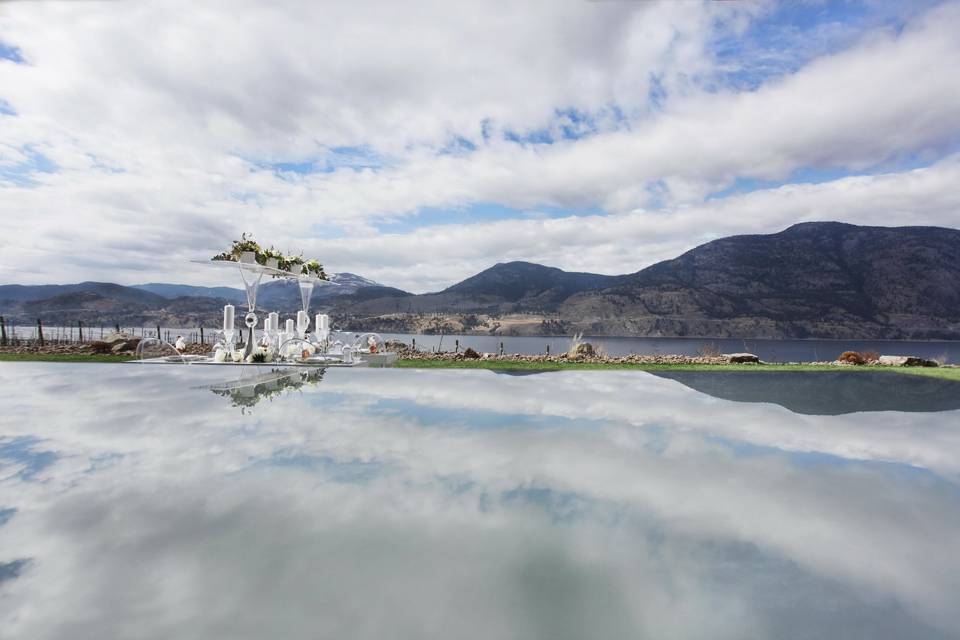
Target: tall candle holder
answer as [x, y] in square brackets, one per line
[306, 284]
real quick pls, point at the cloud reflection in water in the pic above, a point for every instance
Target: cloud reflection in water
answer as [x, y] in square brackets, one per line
[412, 504]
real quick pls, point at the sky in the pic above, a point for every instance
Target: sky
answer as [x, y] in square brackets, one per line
[418, 143]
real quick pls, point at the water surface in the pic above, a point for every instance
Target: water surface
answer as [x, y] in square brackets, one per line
[193, 502]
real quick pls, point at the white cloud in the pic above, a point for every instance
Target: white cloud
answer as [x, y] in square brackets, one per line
[160, 128]
[432, 258]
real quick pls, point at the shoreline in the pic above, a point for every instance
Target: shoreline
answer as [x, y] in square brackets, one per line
[535, 364]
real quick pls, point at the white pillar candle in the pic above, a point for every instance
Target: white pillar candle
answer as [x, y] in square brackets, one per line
[267, 325]
[274, 321]
[324, 322]
[303, 320]
[228, 317]
[318, 322]
[290, 326]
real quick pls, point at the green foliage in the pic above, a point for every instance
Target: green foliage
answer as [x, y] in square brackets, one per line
[312, 267]
[291, 263]
[239, 247]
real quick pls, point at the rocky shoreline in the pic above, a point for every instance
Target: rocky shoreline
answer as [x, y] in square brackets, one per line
[121, 344]
[586, 354]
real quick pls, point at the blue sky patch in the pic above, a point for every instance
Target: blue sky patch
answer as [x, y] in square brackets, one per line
[21, 174]
[22, 451]
[476, 213]
[10, 52]
[480, 419]
[335, 158]
[794, 33]
[815, 175]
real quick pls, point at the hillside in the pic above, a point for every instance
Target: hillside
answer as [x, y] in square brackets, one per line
[168, 304]
[811, 280]
[816, 280]
[510, 287]
[26, 293]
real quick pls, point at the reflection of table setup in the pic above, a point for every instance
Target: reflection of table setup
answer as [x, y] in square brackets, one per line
[291, 342]
[253, 386]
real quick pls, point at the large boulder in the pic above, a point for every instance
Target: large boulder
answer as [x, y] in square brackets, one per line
[906, 361]
[127, 344]
[470, 354]
[740, 358]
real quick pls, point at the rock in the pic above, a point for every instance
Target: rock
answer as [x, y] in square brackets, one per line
[125, 346]
[112, 338]
[906, 361]
[470, 354]
[100, 346]
[739, 358]
[584, 350]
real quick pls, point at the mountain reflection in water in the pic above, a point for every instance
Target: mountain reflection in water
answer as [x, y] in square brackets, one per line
[135, 502]
[826, 393]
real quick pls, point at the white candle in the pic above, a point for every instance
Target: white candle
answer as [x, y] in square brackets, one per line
[274, 321]
[228, 318]
[303, 320]
[318, 322]
[324, 322]
[290, 326]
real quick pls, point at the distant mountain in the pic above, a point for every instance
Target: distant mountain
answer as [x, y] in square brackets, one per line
[273, 293]
[171, 291]
[813, 280]
[509, 287]
[817, 279]
[526, 281]
[26, 293]
[351, 280]
[165, 303]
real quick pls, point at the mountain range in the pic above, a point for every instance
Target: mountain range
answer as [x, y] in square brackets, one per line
[812, 280]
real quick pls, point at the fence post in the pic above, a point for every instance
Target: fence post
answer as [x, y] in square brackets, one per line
[118, 327]
[414, 344]
[457, 348]
[80, 330]
[40, 331]
[3, 332]
[158, 332]
[501, 348]
[548, 349]
[201, 336]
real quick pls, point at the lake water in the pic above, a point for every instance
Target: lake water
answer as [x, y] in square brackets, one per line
[193, 502]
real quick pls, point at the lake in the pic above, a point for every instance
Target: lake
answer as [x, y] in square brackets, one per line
[196, 502]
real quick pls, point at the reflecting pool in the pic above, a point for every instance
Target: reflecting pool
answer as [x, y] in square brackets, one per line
[193, 502]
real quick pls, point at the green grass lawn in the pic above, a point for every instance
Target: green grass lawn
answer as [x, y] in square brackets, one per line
[62, 357]
[933, 372]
